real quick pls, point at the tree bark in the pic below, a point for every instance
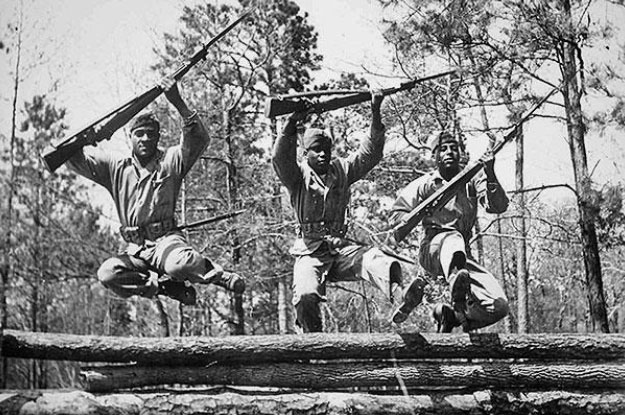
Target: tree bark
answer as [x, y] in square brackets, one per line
[583, 184]
[6, 268]
[238, 323]
[187, 351]
[521, 247]
[286, 324]
[344, 375]
[458, 403]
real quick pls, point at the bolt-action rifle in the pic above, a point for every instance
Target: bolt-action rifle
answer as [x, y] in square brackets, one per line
[104, 127]
[303, 101]
[449, 190]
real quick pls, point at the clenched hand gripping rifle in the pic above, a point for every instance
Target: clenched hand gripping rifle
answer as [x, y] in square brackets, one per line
[287, 104]
[449, 190]
[56, 155]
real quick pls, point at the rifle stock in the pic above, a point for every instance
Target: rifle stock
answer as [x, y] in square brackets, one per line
[294, 103]
[56, 155]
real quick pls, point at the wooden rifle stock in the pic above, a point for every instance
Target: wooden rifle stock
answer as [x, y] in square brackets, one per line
[288, 104]
[56, 155]
[445, 193]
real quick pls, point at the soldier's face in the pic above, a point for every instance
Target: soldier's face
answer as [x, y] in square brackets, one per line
[144, 142]
[448, 155]
[318, 156]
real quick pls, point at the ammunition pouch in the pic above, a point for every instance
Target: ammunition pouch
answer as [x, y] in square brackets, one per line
[150, 231]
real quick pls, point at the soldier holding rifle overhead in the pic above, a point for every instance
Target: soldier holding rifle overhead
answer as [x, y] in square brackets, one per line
[144, 187]
[477, 298]
[319, 192]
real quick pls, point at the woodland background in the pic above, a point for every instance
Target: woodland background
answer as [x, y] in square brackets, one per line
[560, 261]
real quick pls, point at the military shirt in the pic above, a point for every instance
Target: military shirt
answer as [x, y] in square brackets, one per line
[318, 200]
[147, 194]
[460, 213]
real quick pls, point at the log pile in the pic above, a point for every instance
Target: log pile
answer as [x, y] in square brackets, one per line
[585, 373]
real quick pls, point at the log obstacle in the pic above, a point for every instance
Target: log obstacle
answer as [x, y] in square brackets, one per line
[191, 351]
[587, 370]
[477, 403]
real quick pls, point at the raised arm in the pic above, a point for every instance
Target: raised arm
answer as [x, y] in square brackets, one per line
[95, 167]
[371, 149]
[284, 157]
[195, 138]
[490, 193]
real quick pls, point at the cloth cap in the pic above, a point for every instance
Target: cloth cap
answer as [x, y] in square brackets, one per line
[443, 136]
[147, 120]
[315, 135]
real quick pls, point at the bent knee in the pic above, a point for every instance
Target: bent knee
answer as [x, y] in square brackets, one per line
[182, 262]
[108, 270]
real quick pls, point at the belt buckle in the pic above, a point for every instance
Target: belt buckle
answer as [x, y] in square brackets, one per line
[155, 230]
[132, 234]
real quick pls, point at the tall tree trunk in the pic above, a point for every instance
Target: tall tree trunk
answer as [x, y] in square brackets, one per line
[583, 185]
[286, 324]
[7, 257]
[521, 247]
[183, 218]
[238, 324]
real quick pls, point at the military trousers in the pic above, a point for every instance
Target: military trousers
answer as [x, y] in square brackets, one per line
[486, 302]
[136, 271]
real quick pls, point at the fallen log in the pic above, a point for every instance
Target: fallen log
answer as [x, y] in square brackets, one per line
[349, 374]
[477, 403]
[190, 351]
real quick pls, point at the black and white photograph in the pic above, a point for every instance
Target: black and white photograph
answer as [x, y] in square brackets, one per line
[312, 207]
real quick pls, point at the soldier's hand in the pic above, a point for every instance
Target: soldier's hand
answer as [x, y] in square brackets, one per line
[303, 114]
[298, 116]
[97, 133]
[170, 88]
[376, 99]
[488, 161]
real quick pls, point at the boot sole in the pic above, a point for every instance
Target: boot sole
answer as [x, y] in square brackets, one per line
[415, 294]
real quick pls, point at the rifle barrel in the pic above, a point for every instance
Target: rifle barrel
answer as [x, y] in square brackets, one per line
[201, 54]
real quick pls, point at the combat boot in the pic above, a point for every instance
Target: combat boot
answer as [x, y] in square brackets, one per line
[178, 290]
[230, 281]
[445, 318]
[412, 298]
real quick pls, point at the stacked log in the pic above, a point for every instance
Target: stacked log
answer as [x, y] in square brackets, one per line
[578, 368]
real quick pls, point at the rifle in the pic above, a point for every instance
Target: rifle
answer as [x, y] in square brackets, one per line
[287, 104]
[56, 155]
[210, 220]
[448, 191]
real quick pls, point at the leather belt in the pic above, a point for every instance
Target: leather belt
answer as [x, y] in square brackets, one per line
[150, 231]
[322, 229]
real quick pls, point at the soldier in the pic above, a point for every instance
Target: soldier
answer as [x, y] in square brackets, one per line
[477, 298]
[144, 187]
[319, 191]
